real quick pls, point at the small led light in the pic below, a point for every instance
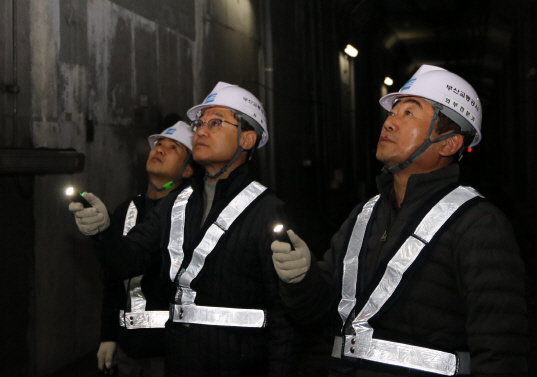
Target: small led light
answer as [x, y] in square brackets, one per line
[469, 150]
[281, 235]
[351, 51]
[388, 81]
[76, 197]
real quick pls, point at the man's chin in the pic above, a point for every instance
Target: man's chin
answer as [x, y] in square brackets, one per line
[153, 171]
[382, 159]
[200, 158]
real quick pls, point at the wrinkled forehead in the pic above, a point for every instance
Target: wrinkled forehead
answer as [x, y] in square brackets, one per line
[412, 100]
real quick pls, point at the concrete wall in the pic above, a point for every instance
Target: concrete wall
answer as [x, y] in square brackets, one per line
[97, 76]
[101, 77]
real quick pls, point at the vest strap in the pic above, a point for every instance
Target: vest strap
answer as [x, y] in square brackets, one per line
[351, 260]
[134, 285]
[143, 320]
[403, 355]
[177, 231]
[130, 218]
[216, 316]
[362, 345]
[185, 294]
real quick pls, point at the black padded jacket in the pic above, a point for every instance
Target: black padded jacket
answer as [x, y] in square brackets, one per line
[238, 274]
[467, 295]
[136, 343]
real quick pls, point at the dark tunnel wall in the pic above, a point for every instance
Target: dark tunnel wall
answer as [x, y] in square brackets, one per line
[99, 76]
[503, 166]
[506, 167]
[308, 114]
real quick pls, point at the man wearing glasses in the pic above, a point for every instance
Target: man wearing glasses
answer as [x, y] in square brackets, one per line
[226, 317]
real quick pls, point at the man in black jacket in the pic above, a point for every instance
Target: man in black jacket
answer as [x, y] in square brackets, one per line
[425, 278]
[226, 318]
[135, 310]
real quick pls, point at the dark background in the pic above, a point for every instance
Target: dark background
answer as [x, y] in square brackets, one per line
[83, 83]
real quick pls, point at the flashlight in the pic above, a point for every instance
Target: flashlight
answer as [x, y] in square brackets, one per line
[281, 234]
[112, 371]
[77, 198]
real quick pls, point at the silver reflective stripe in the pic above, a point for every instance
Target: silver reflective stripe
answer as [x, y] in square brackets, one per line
[216, 316]
[137, 298]
[130, 218]
[188, 312]
[362, 345]
[177, 231]
[144, 320]
[350, 263]
[408, 252]
[400, 354]
[213, 234]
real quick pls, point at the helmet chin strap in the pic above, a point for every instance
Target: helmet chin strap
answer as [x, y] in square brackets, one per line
[172, 183]
[235, 156]
[423, 147]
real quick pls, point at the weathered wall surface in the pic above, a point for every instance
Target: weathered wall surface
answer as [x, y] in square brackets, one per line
[102, 66]
[97, 76]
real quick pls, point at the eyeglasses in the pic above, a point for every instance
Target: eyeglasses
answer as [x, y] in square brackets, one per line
[213, 125]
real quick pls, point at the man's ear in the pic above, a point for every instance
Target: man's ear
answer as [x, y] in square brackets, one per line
[451, 145]
[188, 171]
[248, 139]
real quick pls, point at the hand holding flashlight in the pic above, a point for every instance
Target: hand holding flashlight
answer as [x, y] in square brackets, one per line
[77, 198]
[281, 234]
[92, 218]
[292, 259]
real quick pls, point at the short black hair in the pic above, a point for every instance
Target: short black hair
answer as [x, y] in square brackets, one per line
[445, 124]
[245, 125]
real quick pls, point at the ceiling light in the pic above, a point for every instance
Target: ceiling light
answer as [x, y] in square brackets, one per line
[351, 51]
[388, 81]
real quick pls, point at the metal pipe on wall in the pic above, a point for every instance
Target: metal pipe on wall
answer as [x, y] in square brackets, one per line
[269, 94]
[353, 127]
[14, 88]
[314, 33]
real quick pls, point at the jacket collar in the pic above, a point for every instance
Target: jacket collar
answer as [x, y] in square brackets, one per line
[236, 180]
[422, 185]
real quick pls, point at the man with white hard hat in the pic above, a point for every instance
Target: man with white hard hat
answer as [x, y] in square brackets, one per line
[135, 310]
[226, 317]
[424, 278]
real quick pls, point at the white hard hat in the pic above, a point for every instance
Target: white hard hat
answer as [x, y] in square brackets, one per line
[180, 132]
[239, 100]
[448, 89]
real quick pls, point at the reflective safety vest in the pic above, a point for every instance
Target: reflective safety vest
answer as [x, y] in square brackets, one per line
[360, 344]
[138, 317]
[185, 310]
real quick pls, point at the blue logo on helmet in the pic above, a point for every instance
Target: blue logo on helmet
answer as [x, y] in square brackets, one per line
[408, 84]
[211, 98]
[170, 131]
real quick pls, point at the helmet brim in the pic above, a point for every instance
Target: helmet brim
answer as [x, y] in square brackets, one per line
[388, 100]
[192, 113]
